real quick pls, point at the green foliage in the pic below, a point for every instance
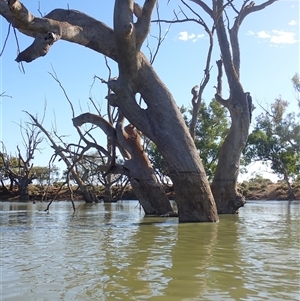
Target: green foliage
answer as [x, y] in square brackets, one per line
[211, 130]
[44, 175]
[276, 139]
[296, 84]
[158, 162]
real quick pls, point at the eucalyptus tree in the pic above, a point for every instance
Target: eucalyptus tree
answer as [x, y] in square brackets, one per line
[224, 185]
[136, 165]
[5, 175]
[161, 120]
[45, 174]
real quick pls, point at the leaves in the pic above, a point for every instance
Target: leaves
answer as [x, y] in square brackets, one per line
[276, 139]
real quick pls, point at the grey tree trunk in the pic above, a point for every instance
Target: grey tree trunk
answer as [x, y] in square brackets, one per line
[224, 185]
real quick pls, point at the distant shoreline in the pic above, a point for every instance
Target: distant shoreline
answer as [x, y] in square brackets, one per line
[262, 190]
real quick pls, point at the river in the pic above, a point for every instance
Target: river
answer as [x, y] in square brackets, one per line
[112, 252]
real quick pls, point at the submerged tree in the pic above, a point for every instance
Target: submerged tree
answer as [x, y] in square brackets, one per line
[224, 185]
[161, 120]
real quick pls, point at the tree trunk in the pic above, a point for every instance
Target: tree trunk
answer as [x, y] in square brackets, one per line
[87, 194]
[137, 166]
[224, 185]
[291, 194]
[151, 196]
[148, 190]
[107, 197]
[23, 190]
[161, 121]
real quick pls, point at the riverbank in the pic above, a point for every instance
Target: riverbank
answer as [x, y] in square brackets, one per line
[252, 190]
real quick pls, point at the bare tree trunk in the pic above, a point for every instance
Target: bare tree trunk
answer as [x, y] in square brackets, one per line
[291, 194]
[142, 177]
[107, 197]
[224, 185]
[23, 190]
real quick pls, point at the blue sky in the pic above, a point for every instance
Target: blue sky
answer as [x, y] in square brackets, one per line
[269, 42]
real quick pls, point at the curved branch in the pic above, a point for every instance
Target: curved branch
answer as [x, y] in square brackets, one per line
[105, 126]
[97, 120]
[204, 6]
[68, 25]
[233, 32]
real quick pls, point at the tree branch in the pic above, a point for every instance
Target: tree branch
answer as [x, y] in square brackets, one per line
[68, 25]
[204, 6]
[143, 23]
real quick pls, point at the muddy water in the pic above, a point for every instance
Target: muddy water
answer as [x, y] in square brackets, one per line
[111, 252]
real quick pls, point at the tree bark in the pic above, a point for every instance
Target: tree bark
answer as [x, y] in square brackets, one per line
[23, 190]
[224, 185]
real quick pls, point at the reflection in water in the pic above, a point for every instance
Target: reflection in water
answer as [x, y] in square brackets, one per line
[111, 252]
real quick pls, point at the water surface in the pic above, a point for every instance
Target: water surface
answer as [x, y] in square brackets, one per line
[112, 252]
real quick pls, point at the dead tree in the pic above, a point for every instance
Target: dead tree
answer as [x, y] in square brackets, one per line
[19, 168]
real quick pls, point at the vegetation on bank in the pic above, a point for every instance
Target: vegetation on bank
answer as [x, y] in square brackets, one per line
[257, 188]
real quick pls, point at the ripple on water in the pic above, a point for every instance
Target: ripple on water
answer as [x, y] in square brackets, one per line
[112, 253]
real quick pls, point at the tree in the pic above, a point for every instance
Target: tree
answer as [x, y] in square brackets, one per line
[4, 174]
[19, 168]
[224, 185]
[210, 131]
[276, 139]
[45, 174]
[161, 121]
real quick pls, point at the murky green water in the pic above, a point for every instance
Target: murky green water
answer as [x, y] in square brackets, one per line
[111, 252]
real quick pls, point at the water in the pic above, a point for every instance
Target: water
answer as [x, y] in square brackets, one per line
[111, 252]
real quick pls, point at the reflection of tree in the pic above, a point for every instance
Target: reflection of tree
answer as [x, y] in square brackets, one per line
[192, 255]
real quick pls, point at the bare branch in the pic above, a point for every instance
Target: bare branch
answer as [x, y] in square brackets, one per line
[204, 7]
[55, 77]
[218, 94]
[142, 25]
[69, 25]
[6, 39]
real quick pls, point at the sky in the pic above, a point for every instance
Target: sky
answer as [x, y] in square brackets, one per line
[269, 44]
